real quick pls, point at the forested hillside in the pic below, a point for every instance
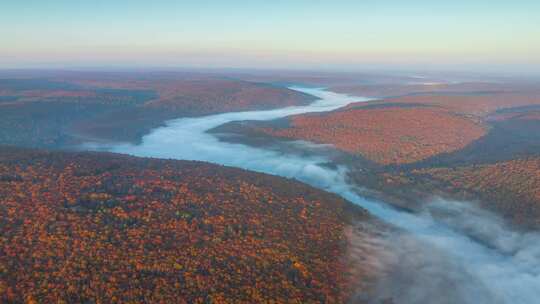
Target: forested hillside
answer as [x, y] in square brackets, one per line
[386, 134]
[55, 112]
[106, 228]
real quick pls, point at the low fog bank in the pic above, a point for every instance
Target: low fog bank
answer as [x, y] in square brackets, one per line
[450, 252]
[413, 272]
[458, 253]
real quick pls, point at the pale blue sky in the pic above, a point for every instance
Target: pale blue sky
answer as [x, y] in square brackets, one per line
[272, 33]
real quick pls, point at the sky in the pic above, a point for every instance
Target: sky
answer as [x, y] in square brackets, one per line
[326, 34]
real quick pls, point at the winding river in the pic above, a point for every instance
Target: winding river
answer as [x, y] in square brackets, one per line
[480, 258]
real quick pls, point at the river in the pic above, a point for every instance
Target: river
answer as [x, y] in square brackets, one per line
[470, 255]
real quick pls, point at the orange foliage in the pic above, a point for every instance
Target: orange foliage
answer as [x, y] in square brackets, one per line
[387, 135]
[479, 105]
[217, 95]
[513, 186]
[195, 96]
[116, 229]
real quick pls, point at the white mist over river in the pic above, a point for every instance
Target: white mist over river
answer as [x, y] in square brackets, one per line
[470, 256]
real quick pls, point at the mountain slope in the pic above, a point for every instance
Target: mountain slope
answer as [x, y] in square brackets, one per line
[105, 228]
[53, 113]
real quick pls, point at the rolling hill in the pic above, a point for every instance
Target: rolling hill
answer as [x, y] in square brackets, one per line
[105, 228]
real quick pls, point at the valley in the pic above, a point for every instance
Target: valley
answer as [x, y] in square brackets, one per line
[389, 180]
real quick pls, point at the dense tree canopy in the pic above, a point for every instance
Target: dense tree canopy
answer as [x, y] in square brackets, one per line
[105, 228]
[393, 134]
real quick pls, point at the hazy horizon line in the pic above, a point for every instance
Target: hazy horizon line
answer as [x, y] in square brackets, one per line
[395, 70]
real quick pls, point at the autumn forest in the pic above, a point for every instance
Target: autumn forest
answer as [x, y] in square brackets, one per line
[79, 226]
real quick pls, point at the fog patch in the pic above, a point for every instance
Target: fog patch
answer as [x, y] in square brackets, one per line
[509, 261]
[417, 272]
